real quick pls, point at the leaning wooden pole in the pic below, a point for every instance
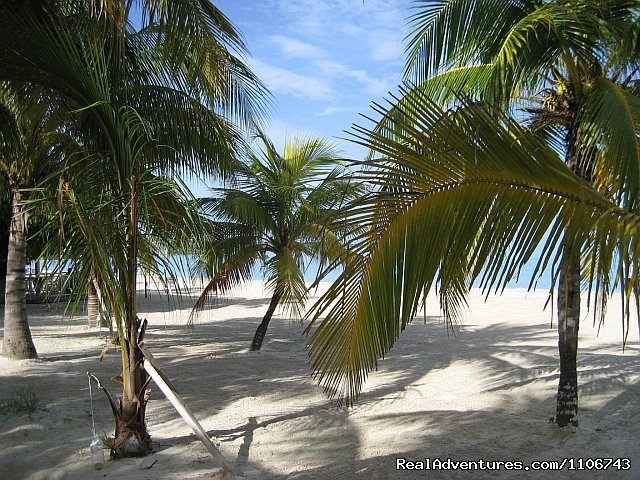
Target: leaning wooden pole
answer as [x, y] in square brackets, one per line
[170, 392]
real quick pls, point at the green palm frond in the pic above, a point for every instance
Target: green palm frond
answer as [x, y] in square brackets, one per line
[229, 274]
[280, 213]
[523, 41]
[610, 122]
[476, 198]
[452, 33]
[284, 276]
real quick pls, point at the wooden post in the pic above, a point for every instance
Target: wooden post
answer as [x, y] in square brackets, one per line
[170, 392]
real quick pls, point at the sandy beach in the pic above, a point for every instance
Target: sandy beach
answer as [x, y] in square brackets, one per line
[486, 393]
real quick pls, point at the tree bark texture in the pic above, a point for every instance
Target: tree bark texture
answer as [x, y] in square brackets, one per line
[17, 342]
[256, 344]
[568, 325]
[569, 294]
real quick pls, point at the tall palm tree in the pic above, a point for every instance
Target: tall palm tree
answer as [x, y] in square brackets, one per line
[275, 216]
[560, 61]
[148, 102]
[573, 67]
[31, 146]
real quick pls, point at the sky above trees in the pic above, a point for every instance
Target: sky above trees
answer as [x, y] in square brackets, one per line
[324, 61]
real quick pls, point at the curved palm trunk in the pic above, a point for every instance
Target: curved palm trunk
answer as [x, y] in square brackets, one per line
[568, 324]
[256, 344]
[17, 342]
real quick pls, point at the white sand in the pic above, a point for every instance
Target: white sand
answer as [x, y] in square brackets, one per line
[486, 393]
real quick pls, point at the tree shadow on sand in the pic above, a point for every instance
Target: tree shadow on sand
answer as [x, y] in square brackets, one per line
[273, 421]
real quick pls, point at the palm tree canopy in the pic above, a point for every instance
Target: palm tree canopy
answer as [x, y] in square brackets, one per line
[276, 215]
[463, 199]
[146, 104]
[32, 140]
[505, 48]
[464, 193]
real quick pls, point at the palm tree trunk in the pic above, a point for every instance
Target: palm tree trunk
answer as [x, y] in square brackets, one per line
[17, 342]
[92, 304]
[256, 344]
[569, 304]
[568, 324]
[131, 438]
[131, 435]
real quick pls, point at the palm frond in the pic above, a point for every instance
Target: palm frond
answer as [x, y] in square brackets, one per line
[476, 198]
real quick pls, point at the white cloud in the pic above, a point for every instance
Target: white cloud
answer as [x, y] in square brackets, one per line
[330, 67]
[279, 132]
[376, 26]
[280, 80]
[332, 110]
[294, 48]
[374, 86]
[387, 48]
[326, 72]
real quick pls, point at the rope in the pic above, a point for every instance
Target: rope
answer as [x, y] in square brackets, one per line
[93, 421]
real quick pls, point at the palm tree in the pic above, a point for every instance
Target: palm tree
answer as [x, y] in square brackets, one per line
[274, 216]
[573, 67]
[30, 147]
[147, 104]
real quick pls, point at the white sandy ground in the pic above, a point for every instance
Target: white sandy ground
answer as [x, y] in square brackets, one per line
[486, 393]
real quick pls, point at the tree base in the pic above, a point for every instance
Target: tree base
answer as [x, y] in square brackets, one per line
[131, 440]
[19, 350]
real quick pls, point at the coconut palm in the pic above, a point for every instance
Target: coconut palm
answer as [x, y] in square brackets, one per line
[147, 104]
[572, 66]
[274, 217]
[31, 146]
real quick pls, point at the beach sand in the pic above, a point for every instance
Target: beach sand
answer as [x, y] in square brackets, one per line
[486, 393]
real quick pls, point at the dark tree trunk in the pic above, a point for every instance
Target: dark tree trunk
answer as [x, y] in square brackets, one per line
[17, 342]
[256, 344]
[568, 324]
[569, 300]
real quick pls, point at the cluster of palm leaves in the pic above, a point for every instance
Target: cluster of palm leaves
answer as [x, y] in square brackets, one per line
[517, 134]
[104, 103]
[276, 216]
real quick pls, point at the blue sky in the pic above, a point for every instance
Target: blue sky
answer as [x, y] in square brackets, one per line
[324, 61]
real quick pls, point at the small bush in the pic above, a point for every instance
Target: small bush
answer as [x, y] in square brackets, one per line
[24, 401]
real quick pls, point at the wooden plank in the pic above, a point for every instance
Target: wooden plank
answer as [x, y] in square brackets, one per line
[151, 366]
